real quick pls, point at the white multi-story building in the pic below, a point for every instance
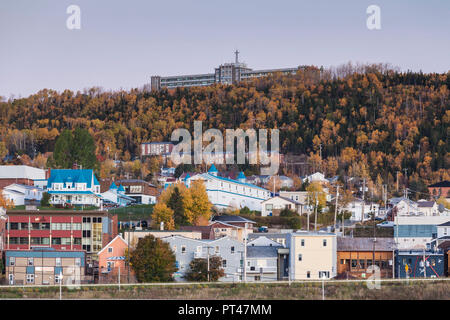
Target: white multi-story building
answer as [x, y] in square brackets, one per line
[228, 193]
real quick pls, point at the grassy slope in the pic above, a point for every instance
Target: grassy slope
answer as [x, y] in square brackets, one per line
[297, 291]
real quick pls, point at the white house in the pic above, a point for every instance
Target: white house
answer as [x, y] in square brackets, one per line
[356, 208]
[74, 186]
[22, 194]
[116, 195]
[229, 193]
[315, 177]
[273, 206]
[428, 208]
[285, 182]
[299, 196]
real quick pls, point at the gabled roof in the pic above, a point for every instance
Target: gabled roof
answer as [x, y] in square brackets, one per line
[113, 186]
[262, 252]
[284, 198]
[230, 219]
[117, 237]
[73, 175]
[425, 204]
[121, 188]
[213, 169]
[241, 175]
[365, 244]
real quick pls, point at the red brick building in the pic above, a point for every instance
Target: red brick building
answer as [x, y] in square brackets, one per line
[440, 189]
[60, 229]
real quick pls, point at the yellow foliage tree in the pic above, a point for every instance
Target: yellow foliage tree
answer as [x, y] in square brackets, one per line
[315, 192]
[197, 206]
[5, 203]
[162, 213]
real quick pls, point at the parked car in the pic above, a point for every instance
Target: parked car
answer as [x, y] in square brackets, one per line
[263, 229]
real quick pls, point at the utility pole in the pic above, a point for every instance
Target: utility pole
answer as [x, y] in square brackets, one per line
[315, 212]
[320, 146]
[424, 265]
[397, 181]
[363, 199]
[207, 258]
[336, 209]
[128, 253]
[245, 252]
[406, 176]
[307, 213]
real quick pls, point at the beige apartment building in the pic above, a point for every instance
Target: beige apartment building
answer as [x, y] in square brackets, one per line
[44, 266]
[312, 255]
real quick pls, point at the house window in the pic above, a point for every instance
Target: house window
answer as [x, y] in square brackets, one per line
[30, 261]
[183, 249]
[324, 242]
[58, 262]
[362, 263]
[78, 262]
[232, 249]
[110, 250]
[217, 250]
[308, 274]
[300, 257]
[12, 261]
[57, 278]
[302, 242]
[224, 263]
[342, 261]
[30, 278]
[354, 263]
[269, 206]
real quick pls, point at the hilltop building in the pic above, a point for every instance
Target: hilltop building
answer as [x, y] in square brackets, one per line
[228, 73]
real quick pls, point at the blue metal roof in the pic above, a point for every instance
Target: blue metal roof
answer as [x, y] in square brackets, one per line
[113, 186]
[241, 175]
[121, 188]
[72, 192]
[213, 169]
[73, 175]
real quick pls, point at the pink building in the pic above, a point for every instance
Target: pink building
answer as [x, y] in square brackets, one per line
[113, 256]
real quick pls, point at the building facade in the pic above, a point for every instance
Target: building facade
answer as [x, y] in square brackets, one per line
[77, 187]
[141, 191]
[417, 232]
[273, 206]
[228, 193]
[227, 73]
[410, 264]
[312, 255]
[22, 194]
[64, 230]
[40, 266]
[355, 257]
[230, 251]
[21, 175]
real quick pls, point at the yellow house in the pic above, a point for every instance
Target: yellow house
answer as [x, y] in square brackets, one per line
[312, 255]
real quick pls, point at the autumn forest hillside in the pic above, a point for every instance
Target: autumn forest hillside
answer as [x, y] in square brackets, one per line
[371, 122]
